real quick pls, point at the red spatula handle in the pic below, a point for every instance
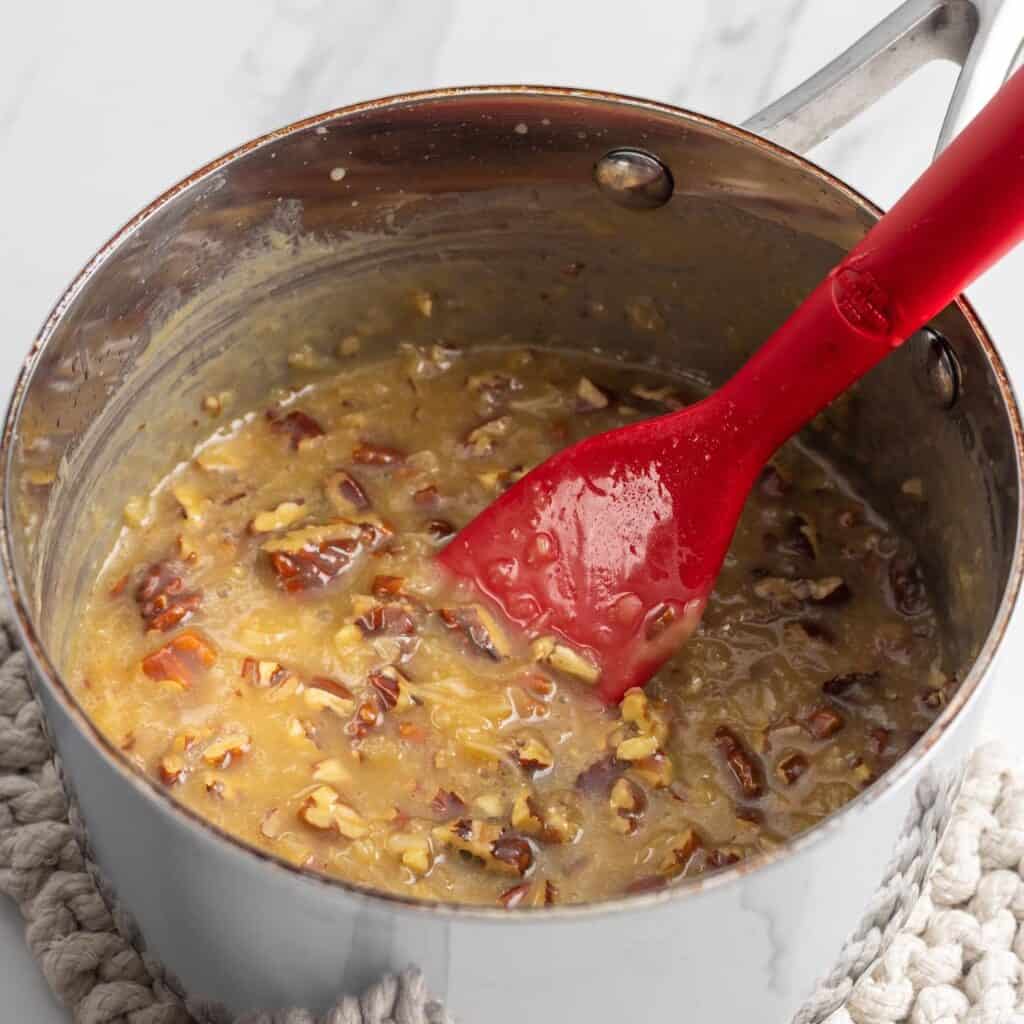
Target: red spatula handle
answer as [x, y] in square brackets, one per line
[959, 217]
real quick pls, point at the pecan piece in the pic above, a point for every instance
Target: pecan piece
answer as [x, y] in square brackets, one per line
[532, 754]
[180, 660]
[838, 686]
[332, 686]
[297, 426]
[745, 768]
[598, 779]
[514, 852]
[791, 767]
[387, 620]
[483, 439]
[440, 529]
[367, 454]
[427, 497]
[682, 850]
[314, 556]
[387, 684]
[478, 629]
[589, 397]
[345, 493]
[824, 722]
[563, 658]
[722, 857]
[448, 804]
[628, 802]
[906, 587]
[162, 598]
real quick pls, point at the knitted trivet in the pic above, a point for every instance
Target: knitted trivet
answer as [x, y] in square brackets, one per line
[957, 960]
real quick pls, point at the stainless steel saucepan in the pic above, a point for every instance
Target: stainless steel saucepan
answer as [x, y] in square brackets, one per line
[696, 240]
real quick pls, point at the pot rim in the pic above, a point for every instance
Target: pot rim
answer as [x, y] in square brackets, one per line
[47, 672]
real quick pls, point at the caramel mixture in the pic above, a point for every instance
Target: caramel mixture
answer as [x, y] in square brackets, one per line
[271, 640]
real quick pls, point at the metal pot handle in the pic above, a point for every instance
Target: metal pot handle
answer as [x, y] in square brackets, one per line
[983, 36]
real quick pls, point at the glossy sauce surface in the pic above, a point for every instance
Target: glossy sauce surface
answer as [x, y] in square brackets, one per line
[272, 641]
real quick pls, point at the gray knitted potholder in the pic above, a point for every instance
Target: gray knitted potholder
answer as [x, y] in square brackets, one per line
[957, 960]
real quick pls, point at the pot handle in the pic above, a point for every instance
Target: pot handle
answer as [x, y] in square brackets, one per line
[983, 36]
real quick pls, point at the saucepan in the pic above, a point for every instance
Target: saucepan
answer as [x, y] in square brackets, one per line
[696, 239]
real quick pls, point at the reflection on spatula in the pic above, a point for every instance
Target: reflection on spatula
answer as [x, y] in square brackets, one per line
[610, 548]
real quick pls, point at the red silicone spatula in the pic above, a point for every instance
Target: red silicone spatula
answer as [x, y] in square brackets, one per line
[613, 545]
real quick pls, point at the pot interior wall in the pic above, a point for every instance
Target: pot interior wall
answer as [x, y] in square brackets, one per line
[507, 230]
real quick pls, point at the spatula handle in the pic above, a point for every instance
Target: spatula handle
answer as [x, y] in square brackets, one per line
[957, 219]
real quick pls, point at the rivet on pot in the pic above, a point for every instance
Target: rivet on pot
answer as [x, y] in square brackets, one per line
[633, 178]
[938, 371]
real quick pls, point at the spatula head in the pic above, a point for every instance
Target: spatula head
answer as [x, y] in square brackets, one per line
[613, 544]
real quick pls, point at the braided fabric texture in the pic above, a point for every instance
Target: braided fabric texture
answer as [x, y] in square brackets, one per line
[957, 961]
[958, 958]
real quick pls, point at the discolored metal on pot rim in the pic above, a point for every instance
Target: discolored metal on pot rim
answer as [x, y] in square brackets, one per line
[117, 760]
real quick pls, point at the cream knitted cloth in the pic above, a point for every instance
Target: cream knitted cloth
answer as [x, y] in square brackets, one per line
[957, 960]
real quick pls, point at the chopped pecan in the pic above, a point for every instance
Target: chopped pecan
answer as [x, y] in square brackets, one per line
[791, 767]
[180, 659]
[514, 852]
[655, 770]
[263, 673]
[368, 716]
[589, 396]
[427, 497]
[314, 556]
[878, 740]
[367, 454]
[297, 426]
[440, 529]
[824, 722]
[563, 658]
[598, 779]
[332, 686]
[345, 493]
[722, 857]
[227, 748]
[628, 802]
[324, 810]
[478, 628]
[387, 620]
[283, 515]
[172, 769]
[906, 586]
[681, 851]
[530, 894]
[162, 598]
[387, 683]
[512, 898]
[745, 767]
[532, 754]
[482, 440]
[827, 590]
[636, 748]
[413, 850]
[807, 631]
[838, 686]
[448, 804]
[320, 699]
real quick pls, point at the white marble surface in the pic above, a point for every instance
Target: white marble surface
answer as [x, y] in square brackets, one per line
[104, 104]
